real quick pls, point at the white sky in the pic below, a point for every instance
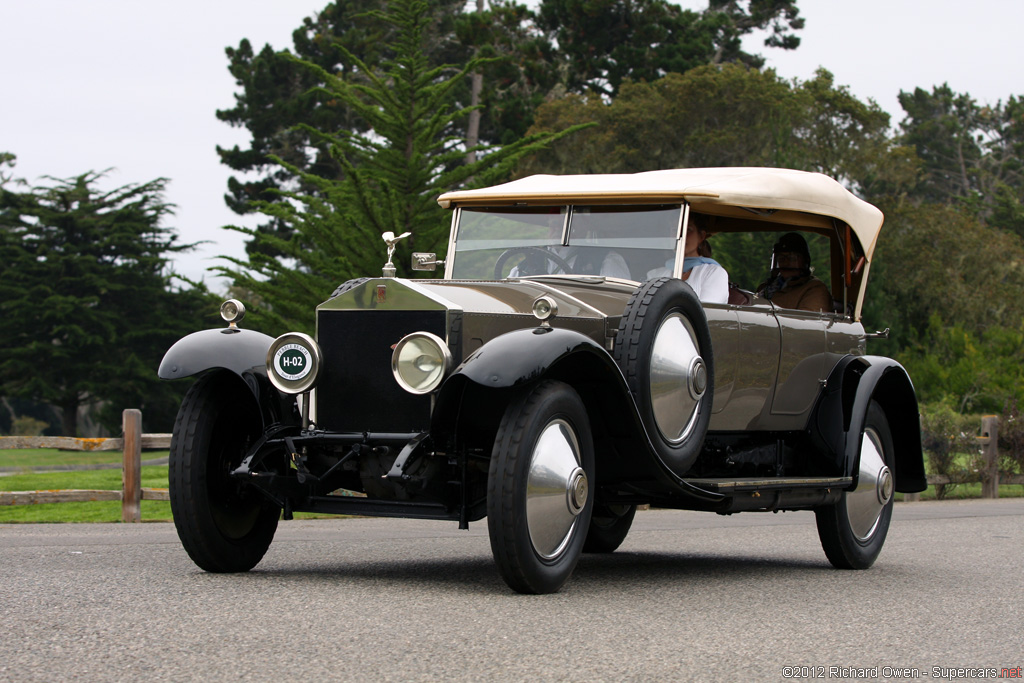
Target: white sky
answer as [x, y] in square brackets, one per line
[134, 85]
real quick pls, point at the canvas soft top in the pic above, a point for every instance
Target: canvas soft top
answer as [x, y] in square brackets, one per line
[761, 190]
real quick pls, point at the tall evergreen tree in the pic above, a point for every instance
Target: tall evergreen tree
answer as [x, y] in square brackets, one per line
[85, 298]
[276, 93]
[602, 43]
[970, 155]
[411, 152]
[565, 46]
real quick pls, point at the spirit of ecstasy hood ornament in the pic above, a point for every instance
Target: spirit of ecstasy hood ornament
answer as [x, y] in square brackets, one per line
[390, 240]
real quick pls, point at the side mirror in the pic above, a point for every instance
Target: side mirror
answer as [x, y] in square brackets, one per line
[425, 261]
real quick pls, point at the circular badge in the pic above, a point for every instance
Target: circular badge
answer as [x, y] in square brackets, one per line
[293, 362]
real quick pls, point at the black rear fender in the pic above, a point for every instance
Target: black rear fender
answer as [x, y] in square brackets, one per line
[839, 418]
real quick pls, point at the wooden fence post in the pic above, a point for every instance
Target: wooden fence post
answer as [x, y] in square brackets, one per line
[990, 448]
[131, 470]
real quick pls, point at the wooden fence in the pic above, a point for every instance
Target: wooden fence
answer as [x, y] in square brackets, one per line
[131, 445]
[134, 441]
[989, 474]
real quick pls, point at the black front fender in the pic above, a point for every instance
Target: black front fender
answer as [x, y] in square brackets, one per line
[524, 356]
[242, 352]
[478, 389]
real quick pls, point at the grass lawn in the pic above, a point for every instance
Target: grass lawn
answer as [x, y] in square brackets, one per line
[102, 511]
[153, 477]
[30, 458]
[965, 491]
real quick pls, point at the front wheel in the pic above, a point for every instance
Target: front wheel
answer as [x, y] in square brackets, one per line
[223, 525]
[538, 489]
[853, 530]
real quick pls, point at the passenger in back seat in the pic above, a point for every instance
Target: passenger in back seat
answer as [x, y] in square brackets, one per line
[790, 283]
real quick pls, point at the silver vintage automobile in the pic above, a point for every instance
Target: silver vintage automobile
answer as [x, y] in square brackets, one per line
[541, 388]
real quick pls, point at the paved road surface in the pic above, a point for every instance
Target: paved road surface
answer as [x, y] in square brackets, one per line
[690, 596]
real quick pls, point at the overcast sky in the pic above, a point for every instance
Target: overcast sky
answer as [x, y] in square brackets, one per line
[133, 86]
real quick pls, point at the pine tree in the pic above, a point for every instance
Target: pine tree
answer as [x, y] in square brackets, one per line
[392, 175]
[85, 298]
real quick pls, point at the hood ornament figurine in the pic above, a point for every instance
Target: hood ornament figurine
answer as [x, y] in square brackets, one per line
[391, 240]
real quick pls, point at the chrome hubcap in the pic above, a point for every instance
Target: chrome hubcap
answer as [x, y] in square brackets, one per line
[557, 489]
[679, 378]
[576, 494]
[874, 488]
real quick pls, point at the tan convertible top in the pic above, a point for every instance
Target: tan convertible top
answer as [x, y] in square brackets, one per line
[770, 189]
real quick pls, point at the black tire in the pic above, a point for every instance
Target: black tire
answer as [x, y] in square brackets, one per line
[537, 531]
[665, 311]
[347, 285]
[223, 525]
[853, 530]
[609, 525]
[544, 254]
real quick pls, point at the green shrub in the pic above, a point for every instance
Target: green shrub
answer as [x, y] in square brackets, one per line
[949, 444]
[1011, 440]
[27, 426]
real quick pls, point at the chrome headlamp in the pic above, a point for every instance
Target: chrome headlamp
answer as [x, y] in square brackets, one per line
[545, 308]
[232, 311]
[294, 362]
[420, 362]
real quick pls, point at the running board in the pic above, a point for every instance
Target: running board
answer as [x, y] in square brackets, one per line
[736, 485]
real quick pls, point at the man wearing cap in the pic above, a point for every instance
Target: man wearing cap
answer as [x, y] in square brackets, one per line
[790, 283]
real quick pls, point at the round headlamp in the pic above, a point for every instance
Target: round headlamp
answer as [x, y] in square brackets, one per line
[545, 308]
[420, 362]
[232, 311]
[294, 362]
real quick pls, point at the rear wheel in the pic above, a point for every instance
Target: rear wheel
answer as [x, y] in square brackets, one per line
[609, 526]
[853, 530]
[223, 525]
[538, 498]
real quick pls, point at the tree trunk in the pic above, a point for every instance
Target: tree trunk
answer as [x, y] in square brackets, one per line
[476, 88]
[473, 132]
[69, 417]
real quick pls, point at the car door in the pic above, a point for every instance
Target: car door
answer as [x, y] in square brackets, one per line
[803, 365]
[747, 343]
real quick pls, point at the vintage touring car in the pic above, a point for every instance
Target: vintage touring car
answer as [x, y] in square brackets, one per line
[531, 389]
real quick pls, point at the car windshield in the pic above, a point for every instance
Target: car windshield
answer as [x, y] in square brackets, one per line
[627, 242]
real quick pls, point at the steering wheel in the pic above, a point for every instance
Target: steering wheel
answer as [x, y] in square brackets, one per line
[509, 253]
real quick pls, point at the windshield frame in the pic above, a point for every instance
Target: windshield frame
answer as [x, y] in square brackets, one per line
[681, 210]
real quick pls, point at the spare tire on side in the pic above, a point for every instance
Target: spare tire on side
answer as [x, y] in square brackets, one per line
[664, 350]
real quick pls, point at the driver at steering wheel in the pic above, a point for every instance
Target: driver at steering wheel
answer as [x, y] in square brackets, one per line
[581, 260]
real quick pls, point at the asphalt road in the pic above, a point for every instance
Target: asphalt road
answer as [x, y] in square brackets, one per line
[689, 596]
